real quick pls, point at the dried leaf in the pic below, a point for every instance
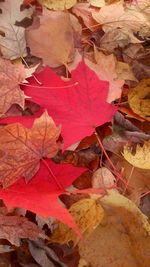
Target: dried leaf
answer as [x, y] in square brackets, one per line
[124, 71]
[139, 99]
[141, 157]
[87, 214]
[103, 178]
[21, 148]
[97, 3]
[44, 255]
[12, 41]
[58, 4]
[52, 38]
[118, 15]
[121, 239]
[106, 70]
[10, 77]
[13, 228]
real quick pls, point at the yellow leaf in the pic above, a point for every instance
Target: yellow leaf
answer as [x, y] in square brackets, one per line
[58, 4]
[97, 3]
[139, 99]
[141, 158]
[87, 214]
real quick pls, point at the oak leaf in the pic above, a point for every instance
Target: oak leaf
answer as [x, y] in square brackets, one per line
[21, 149]
[81, 101]
[58, 4]
[12, 38]
[139, 99]
[87, 214]
[52, 38]
[10, 77]
[141, 157]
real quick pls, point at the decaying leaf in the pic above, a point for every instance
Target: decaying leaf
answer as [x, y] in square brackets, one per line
[139, 99]
[13, 228]
[12, 38]
[21, 148]
[103, 178]
[58, 4]
[87, 214]
[141, 157]
[122, 239]
[10, 77]
[44, 255]
[52, 38]
[118, 15]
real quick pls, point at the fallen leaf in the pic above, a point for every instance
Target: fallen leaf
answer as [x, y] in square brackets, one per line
[51, 38]
[22, 148]
[97, 3]
[106, 70]
[139, 99]
[44, 255]
[117, 38]
[10, 77]
[118, 15]
[121, 239]
[138, 181]
[58, 4]
[81, 101]
[84, 11]
[13, 43]
[87, 214]
[13, 228]
[103, 178]
[124, 71]
[141, 157]
[47, 184]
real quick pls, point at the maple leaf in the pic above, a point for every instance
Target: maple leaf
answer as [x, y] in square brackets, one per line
[79, 105]
[10, 77]
[40, 195]
[22, 148]
[12, 38]
[13, 228]
[52, 38]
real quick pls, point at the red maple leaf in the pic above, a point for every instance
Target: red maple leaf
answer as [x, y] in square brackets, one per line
[40, 195]
[79, 105]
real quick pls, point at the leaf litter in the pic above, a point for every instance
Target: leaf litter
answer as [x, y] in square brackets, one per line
[75, 133]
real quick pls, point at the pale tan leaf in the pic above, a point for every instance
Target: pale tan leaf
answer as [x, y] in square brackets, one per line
[141, 157]
[102, 178]
[87, 214]
[52, 38]
[12, 41]
[97, 3]
[10, 92]
[21, 148]
[124, 71]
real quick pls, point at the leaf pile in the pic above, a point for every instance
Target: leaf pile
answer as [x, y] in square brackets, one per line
[74, 133]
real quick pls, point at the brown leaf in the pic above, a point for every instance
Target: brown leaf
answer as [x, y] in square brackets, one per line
[21, 148]
[13, 228]
[10, 77]
[120, 240]
[52, 38]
